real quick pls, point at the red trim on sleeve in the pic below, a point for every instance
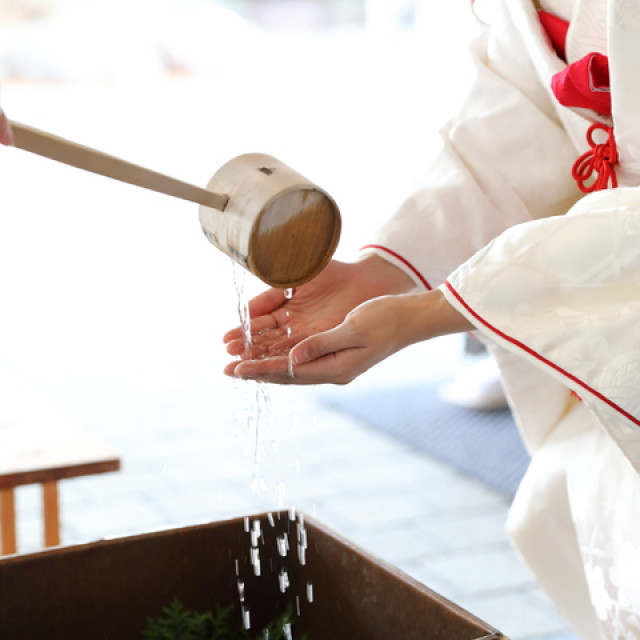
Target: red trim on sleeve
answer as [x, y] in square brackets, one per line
[403, 260]
[541, 358]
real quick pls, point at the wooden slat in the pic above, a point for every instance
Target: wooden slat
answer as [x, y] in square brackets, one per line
[7, 522]
[44, 453]
[52, 474]
[51, 514]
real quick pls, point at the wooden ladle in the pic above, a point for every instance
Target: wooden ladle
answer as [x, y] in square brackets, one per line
[260, 212]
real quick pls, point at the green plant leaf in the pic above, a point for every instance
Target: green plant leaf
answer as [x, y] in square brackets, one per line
[179, 623]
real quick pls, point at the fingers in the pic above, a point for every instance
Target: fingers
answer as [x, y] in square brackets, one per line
[334, 368]
[258, 325]
[258, 349]
[276, 370]
[261, 309]
[266, 302]
[6, 134]
[270, 341]
[330, 357]
[323, 344]
[269, 345]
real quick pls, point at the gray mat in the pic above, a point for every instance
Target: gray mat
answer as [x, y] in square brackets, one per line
[484, 445]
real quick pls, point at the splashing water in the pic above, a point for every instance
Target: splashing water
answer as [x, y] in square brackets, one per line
[256, 411]
[288, 294]
[255, 561]
[283, 544]
[252, 417]
[255, 533]
[302, 540]
[246, 618]
[289, 334]
[239, 278]
[290, 368]
[283, 579]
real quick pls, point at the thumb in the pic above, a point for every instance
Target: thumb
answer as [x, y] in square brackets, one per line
[322, 344]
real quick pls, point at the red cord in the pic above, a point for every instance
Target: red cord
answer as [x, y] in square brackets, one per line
[600, 159]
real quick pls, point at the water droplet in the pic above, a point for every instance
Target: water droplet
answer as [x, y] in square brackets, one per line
[283, 544]
[255, 533]
[287, 631]
[283, 579]
[255, 560]
[309, 592]
[246, 618]
[288, 294]
[241, 590]
[243, 305]
[302, 541]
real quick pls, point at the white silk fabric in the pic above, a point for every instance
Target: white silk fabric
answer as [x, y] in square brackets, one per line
[551, 280]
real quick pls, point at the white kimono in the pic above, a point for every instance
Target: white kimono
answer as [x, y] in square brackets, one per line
[557, 297]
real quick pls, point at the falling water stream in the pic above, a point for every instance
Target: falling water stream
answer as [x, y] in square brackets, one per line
[257, 417]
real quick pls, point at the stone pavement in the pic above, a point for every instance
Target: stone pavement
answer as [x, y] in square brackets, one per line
[239, 449]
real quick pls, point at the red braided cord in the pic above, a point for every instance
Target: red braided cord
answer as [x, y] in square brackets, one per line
[600, 159]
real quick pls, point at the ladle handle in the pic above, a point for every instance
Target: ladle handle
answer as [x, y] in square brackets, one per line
[62, 150]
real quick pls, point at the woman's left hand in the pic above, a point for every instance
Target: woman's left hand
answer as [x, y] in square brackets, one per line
[370, 333]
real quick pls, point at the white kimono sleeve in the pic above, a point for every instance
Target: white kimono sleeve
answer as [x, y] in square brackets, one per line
[564, 294]
[506, 159]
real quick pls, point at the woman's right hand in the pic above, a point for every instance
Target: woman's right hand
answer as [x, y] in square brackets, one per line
[6, 135]
[278, 323]
[370, 333]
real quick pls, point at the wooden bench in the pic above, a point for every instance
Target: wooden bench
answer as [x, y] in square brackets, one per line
[30, 455]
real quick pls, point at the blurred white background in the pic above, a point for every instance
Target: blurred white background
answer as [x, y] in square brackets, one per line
[112, 303]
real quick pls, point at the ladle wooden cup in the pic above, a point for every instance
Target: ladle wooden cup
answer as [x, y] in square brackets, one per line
[257, 210]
